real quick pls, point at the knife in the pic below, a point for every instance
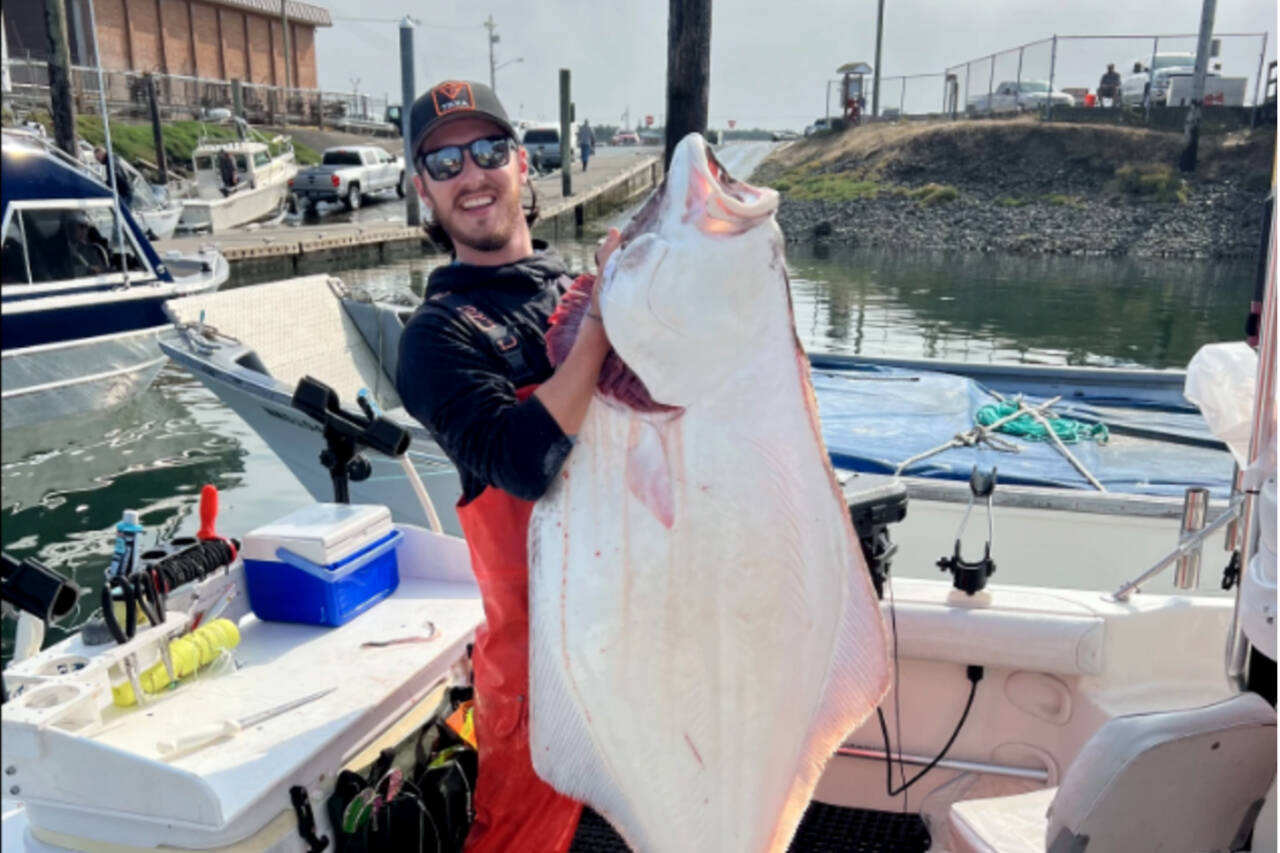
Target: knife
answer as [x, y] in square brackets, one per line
[229, 728]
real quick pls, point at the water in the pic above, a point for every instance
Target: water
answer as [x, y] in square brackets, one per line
[64, 486]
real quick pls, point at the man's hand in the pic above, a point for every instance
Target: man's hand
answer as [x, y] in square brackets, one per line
[568, 392]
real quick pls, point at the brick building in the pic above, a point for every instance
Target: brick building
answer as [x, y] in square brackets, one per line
[209, 39]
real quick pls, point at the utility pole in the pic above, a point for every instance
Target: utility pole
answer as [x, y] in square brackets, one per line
[875, 72]
[63, 108]
[688, 70]
[566, 148]
[411, 216]
[1191, 136]
[493, 39]
[288, 54]
[355, 93]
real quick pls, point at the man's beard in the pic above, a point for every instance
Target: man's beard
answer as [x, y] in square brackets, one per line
[507, 212]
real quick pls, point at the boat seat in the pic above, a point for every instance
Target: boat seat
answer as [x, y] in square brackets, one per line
[1188, 780]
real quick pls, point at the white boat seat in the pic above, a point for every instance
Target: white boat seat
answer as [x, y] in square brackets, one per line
[1189, 780]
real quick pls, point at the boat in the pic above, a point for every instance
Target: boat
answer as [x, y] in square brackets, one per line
[264, 168]
[1007, 698]
[1096, 713]
[875, 416]
[80, 327]
[154, 208]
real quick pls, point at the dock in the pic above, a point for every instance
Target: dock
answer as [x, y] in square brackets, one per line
[286, 250]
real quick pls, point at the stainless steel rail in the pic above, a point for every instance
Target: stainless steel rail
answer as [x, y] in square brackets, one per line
[1186, 546]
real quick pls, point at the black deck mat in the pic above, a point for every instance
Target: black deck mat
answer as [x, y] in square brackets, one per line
[824, 829]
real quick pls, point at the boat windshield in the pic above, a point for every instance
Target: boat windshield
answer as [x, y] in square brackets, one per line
[51, 244]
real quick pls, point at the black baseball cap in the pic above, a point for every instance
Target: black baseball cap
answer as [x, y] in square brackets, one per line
[453, 100]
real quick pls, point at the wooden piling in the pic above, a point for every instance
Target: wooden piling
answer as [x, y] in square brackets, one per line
[157, 132]
[61, 105]
[688, 70]
[566, 145]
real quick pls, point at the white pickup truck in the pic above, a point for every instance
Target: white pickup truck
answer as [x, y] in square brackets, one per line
[1016, 97]
[1171, 82]
[348, 174]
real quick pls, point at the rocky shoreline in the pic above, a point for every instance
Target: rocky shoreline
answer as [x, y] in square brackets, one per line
[1223, 222]
[1024, 187]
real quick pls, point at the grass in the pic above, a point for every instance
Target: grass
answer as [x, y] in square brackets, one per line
[1149, 182]
[1063, 200]
[1009, 201]
[136, 144]
[804, 185]
[931, 194]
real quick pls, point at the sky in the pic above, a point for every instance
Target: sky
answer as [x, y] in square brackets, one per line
[770, 59]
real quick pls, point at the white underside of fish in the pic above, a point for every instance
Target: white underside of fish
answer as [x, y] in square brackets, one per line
[703, 632]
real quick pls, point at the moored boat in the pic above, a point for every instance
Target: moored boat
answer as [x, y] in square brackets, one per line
[259, 183]
[82, 290]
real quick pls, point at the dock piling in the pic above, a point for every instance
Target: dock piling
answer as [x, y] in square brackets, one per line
[157, 131]
[62, 107]
[411, 211]
[566, 145]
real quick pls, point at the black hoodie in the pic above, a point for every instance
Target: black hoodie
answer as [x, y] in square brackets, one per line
[458, 381]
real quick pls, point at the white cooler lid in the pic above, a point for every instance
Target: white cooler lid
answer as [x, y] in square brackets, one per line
[323, 532]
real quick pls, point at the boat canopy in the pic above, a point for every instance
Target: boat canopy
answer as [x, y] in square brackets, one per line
[32, 175]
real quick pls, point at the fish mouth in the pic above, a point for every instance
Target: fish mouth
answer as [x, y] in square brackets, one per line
[731, 206]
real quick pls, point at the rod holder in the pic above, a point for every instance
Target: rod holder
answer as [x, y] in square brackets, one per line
[1194, 505]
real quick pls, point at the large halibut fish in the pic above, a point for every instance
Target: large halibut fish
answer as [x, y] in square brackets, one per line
[703, 631]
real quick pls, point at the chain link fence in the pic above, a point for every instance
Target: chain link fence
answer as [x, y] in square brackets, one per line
[181, 97]
[1066, 71]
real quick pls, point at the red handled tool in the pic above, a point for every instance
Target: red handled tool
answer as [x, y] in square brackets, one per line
[209, 517]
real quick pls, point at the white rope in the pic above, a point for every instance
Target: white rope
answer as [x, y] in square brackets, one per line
[1062, 448]
[974, 436]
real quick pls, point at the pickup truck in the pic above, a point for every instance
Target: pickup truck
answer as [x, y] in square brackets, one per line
[1179, 69]
[1016, 97]
[348, 174]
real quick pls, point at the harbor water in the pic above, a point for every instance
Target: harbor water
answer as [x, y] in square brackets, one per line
[66, 484]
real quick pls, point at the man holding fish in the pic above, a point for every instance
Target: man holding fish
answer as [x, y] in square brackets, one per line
[474, 370]
[636, 588]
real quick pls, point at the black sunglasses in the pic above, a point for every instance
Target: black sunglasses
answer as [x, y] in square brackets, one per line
[442, 164]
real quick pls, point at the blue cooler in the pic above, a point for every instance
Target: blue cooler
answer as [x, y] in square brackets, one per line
[324, 564]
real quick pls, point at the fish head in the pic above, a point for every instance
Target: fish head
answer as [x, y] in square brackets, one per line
[699, 279]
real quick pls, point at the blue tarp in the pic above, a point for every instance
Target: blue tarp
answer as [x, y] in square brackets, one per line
[874, 419]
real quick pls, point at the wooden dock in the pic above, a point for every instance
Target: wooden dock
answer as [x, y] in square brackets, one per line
[284, 250]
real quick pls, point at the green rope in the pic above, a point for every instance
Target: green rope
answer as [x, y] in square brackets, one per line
[1068, 430]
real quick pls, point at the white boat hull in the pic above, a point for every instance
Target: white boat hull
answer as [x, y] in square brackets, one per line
[238, 209]
[50, 383]
[160, 221]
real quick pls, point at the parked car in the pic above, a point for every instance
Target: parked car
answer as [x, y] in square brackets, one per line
[783, 135]
[543, 144]
[1133, 86]
[348, 174]
[1017, 96]
[819, 126]
[625, 137]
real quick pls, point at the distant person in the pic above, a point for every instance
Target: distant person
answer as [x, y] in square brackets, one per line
[227, 171]
[1109, 86]
[124, 187]
[586, 141]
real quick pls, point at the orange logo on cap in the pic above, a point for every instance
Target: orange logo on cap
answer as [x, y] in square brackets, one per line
[453, 95]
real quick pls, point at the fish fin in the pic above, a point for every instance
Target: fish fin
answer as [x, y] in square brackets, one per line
[649, 473]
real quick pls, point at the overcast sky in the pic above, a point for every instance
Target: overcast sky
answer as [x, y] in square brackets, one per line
[770, 59]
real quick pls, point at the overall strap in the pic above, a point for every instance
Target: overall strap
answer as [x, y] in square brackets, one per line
[500, 338]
